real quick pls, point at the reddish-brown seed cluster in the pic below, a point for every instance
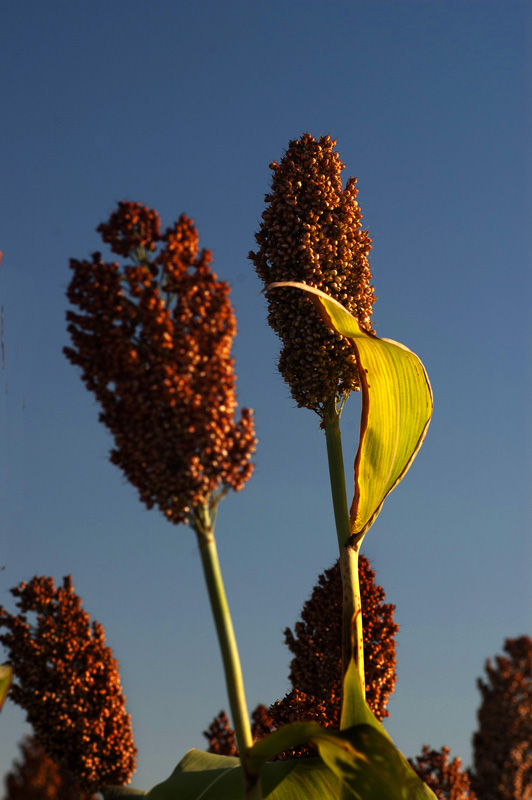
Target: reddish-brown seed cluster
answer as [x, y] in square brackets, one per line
[502, 745]
[153, 340]
[67, 681]
[316, 668]
[297, 706]
[311, 232]
[131, 227]
[446, 778]
[221, 736]
[36, 777]
[222, 739]
[317, 640]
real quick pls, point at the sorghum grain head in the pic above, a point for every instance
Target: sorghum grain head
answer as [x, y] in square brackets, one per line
[68, 683]
[153, 340]
[311, 232]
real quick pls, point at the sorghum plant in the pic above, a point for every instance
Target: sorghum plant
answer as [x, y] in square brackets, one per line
[152, 337]
[153, 341]
[311, 238]
[67, 682]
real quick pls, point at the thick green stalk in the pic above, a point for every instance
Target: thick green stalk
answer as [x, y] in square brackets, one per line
[352, 641]
[333, 437]
[352, 630]
[204, 528]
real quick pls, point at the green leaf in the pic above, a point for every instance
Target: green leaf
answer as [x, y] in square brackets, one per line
[396, 408]
[211, 777]
[371, 767]
[356, 723]
[6, 673]
[111, 792]
[361, 760]
[355, 710]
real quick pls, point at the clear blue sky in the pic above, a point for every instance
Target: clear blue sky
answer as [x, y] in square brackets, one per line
[182, 106]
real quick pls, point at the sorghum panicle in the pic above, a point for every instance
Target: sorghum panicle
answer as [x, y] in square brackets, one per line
[311, 232]
[221, 737]
[502, 745]
[68, 683]
[316, 642]
[446, 778]
[37, 777]
[153, 340]
[316, 669]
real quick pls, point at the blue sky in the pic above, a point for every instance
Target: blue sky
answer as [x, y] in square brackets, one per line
[182, 106]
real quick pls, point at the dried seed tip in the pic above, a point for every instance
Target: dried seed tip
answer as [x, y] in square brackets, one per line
[153, 341]
[67, 681]
[132, 226]
[311, 232]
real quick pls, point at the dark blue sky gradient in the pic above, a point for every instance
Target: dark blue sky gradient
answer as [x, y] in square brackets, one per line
[182, 106]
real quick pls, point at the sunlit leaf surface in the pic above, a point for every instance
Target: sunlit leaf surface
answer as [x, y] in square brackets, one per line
[396, 408]
[5, 681]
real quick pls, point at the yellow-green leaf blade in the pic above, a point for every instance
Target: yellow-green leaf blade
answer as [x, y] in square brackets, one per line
[399, 407]
[6, 674]
[396, 408]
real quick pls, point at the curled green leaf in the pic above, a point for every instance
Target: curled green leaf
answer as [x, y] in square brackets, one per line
[6, 673]
[396, 408]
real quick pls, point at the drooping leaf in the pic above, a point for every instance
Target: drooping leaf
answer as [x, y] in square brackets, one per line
[6, 674]
[363, 758]
[360, 725]
[360, 759]
[396, 408]
[371, 767]
[362, 755]
[211, 777]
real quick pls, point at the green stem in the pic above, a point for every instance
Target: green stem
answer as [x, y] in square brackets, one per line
[352, 629]
[204, 528]
[333, 437]
[352, 641]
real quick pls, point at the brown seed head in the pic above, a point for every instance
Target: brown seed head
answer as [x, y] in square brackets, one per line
[317, 640]
[317, 664]
[132, 226]
[446, 778]
[36, 777]
[153, 340]
[67, 681]
[311, 232]
[502, 744]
